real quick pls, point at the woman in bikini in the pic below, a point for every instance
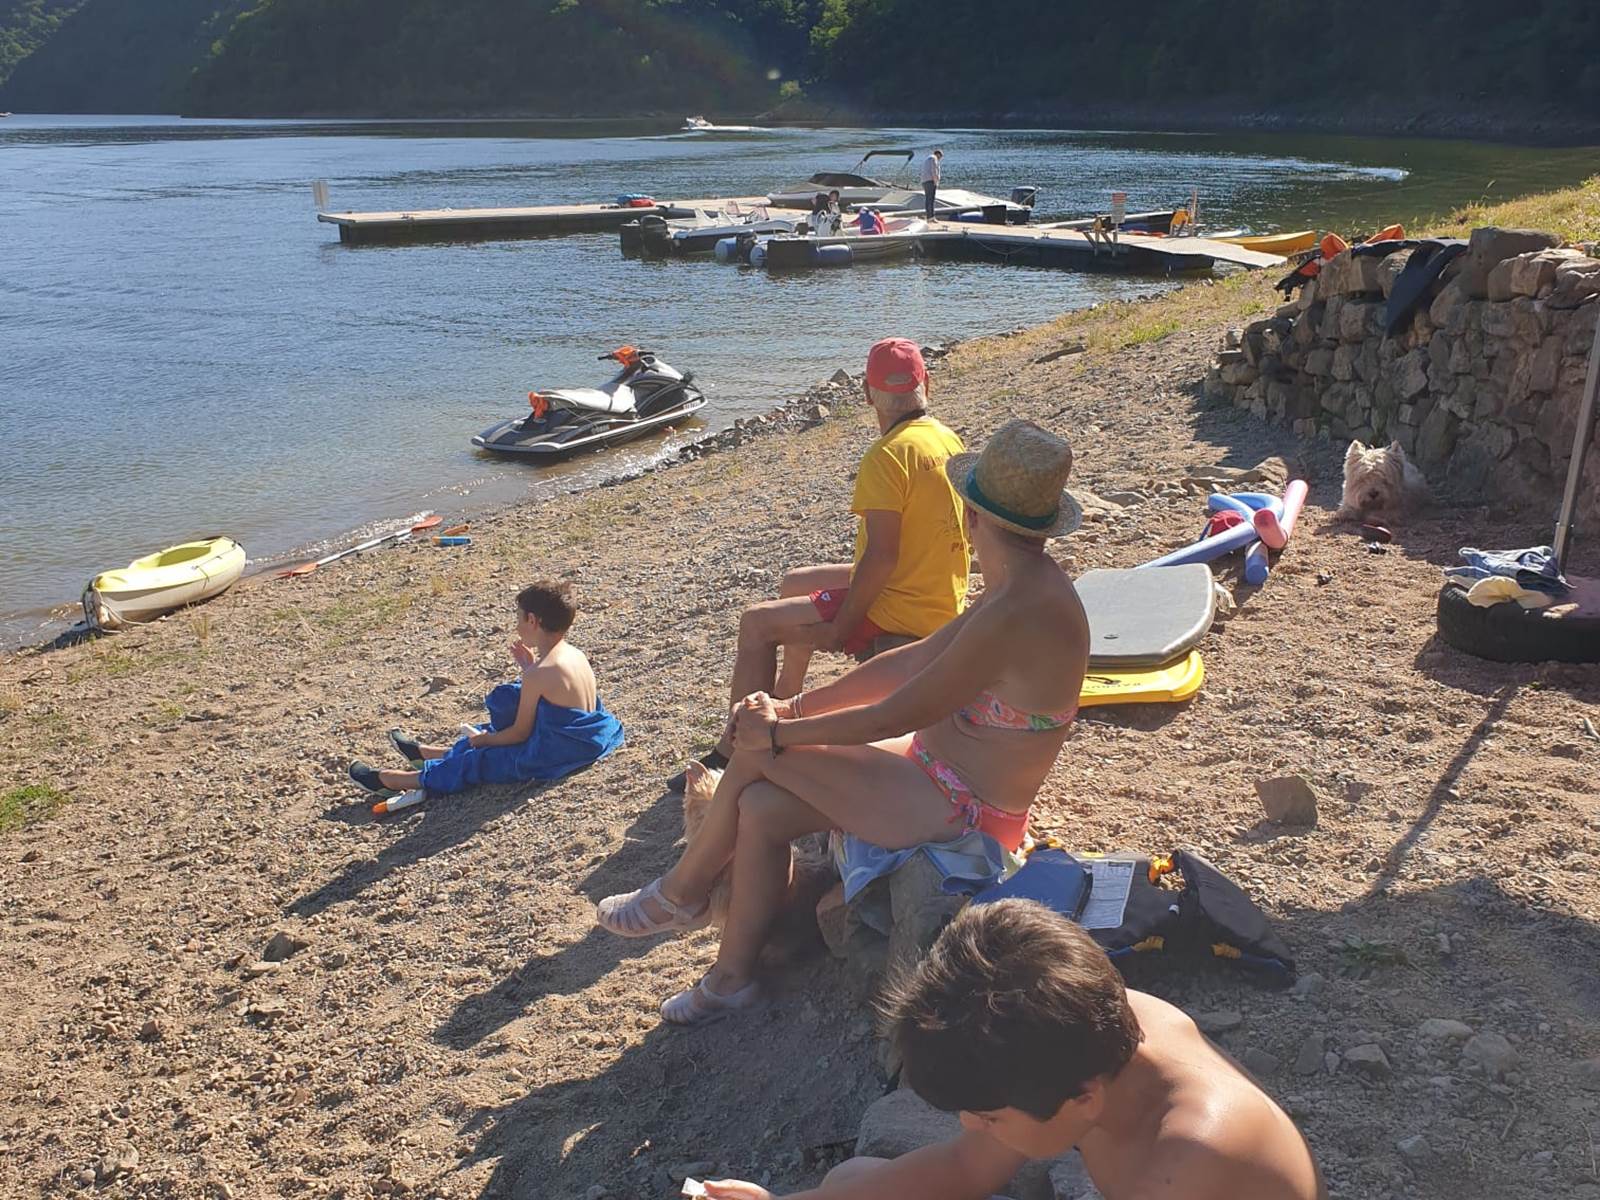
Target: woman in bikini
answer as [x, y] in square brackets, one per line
[921, 744]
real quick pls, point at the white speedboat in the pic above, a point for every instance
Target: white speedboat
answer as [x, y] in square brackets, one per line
[855, 189]
[659, 237]
[899, 239]
[701, 125]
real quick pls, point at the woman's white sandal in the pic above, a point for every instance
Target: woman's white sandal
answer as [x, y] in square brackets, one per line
[626, 916]
[699, 1005]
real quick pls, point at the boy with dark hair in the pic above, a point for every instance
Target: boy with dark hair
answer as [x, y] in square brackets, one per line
[547, 724]
[1018, 1022]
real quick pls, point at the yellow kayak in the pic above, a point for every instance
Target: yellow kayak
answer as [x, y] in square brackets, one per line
[1275, 243]
[1151, 685]
[160, 582]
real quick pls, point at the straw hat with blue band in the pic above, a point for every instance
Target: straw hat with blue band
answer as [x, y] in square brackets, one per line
[1018, 481]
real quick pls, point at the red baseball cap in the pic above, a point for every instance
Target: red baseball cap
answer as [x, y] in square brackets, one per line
[895, 365]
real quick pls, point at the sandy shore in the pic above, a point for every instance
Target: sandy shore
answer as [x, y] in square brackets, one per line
[454, 1026]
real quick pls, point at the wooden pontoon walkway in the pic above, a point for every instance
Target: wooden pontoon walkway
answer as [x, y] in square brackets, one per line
[1035, 245]
[480, 224]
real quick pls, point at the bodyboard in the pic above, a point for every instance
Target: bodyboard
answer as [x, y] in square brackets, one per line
[1149, 685]
[1140, 618]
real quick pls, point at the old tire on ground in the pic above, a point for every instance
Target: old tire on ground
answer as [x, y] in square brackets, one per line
[1510, 633]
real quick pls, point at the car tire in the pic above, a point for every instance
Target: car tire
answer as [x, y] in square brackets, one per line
[1510, 633]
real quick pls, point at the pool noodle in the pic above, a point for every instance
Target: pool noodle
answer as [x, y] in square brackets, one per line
[1294, 499]
[1209, 548]
[1269, 528]
[1256, 565]
[1218, 501]
[1257, 499]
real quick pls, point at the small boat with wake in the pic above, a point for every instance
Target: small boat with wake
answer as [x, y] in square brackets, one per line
[646, 395]
[701, 125]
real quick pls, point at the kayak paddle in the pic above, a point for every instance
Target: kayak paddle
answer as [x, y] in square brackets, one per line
[427, 522]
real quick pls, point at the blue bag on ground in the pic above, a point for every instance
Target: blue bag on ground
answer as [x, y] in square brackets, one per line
[1052, 877]
[563, 740]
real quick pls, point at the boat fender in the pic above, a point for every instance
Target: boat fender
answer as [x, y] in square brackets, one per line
[724, 249]
[758, 255]
[834, 256]
[641, 202]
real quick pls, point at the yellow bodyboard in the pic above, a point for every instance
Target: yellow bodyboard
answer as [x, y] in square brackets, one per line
[1151, 685]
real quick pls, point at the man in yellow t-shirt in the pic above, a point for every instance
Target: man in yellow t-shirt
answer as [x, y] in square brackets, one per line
[909, 576]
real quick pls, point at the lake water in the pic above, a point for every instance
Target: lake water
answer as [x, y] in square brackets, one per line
[184, 350]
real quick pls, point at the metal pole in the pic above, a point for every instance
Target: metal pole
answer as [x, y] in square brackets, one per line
[1580, 448]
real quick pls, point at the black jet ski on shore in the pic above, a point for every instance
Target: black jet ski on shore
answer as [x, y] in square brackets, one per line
[647, 395]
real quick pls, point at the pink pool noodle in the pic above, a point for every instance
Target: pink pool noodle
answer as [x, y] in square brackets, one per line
[1209, 548]
[1270, 530]
[1294, 499]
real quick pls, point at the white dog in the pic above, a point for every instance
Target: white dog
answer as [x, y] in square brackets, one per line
[1380, 482]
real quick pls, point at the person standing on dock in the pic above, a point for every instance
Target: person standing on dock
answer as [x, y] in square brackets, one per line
[930, 178]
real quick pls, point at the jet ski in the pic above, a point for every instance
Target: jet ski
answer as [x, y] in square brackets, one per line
[645, 395]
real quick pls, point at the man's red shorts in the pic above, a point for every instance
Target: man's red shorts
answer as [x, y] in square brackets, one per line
[828, 605]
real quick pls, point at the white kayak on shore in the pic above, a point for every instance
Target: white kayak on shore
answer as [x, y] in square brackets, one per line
[156, 584]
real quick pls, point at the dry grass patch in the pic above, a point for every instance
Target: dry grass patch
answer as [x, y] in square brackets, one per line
[1574, 213]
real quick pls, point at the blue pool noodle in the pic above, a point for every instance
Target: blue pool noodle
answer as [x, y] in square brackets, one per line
[1209, 548]
[1220, 501]
[1256, 564]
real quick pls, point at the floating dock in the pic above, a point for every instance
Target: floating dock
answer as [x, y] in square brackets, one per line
[486, 224]
[1038, 246]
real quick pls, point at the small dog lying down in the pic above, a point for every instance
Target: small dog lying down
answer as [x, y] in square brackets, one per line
[1380, 482]
[813, 872]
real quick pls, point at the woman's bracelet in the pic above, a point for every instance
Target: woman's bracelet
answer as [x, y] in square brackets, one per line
[794, 704]
[773, 733]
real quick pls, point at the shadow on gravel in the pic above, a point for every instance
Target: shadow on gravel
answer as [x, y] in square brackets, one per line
[649, 846]
[563, 972]
[443, 823]
[1444, 789]
[782, 1088]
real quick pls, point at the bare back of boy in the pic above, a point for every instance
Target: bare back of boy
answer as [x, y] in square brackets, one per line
[1207, 1132]
[563, 677]
[1185, 1124]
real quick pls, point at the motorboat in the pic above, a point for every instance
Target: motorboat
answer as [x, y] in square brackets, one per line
[158, 583]
[701, 125]
[655, 236]
[899, 239]
[856, 189]
[646, 395]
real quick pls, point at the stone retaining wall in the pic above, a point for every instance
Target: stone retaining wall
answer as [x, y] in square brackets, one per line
[1481, 385]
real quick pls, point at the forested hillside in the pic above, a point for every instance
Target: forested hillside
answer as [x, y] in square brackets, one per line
[111, 55]
[1171, 62]
[25, 25]
[550, 57]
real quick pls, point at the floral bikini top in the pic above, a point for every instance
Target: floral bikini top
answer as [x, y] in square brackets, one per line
[989, 711]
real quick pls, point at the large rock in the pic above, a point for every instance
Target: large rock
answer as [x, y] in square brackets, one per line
[1445, 1029]
[1448, 309]
[1369, 1060]
[920, 909]
[1576, 280]
[901, 1122]
[1498, 285]
[1436, 438]
[1488, 248]
[1532, 274]
[1288, 799]
[1491, 1053]
[1389, 269]
[284, 944]
[1412, 374]
[1351, 275]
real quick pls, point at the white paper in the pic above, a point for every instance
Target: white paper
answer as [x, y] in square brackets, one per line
[1108, 898]
[693, 1187]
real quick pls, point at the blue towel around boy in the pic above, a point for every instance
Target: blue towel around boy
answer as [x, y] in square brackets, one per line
[563, 740]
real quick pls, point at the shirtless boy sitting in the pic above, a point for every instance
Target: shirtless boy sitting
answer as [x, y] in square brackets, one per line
[1018, 1022]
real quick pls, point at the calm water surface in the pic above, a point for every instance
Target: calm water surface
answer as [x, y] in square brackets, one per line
[184, 350]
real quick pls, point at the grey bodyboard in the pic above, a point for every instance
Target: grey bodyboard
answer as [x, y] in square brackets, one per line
[1146, 618]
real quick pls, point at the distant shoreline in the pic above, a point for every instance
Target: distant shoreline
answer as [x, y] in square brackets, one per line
[1529, 127]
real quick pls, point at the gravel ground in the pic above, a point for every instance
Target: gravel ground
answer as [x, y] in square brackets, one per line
[442, 1018]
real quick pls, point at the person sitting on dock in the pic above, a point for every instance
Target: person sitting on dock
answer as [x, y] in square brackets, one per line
[930, 179]
[1017, 1022]
[923, 744]
[824, 218]
[909, 576]
[545, 725]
